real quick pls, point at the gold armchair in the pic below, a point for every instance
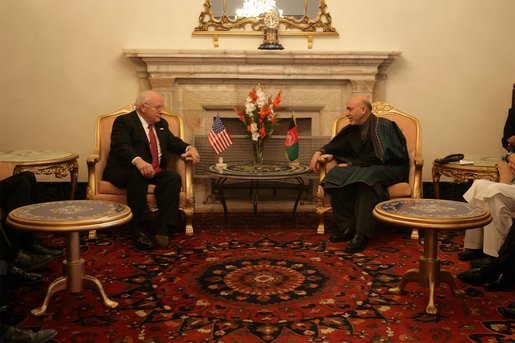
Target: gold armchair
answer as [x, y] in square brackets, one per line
[100, 189]
[411, 129]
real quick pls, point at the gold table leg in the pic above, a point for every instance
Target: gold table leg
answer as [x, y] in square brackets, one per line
[74, 280]
[429, 273]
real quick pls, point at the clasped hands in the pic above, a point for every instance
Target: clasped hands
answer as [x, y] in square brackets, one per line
[148, 171]
[314, 164]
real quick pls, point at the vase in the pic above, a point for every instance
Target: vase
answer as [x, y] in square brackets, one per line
[258, 151]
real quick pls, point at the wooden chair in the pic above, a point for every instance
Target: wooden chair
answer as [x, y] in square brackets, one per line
[411, 129]
[100, 189]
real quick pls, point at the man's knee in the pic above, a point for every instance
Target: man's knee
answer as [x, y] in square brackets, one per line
[170, 178]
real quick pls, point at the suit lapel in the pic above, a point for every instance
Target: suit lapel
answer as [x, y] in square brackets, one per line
[161, 135]
[140, 132]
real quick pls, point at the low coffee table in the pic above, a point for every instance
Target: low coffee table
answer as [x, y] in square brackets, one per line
[431, 215]
[269, 171]
[71, 217]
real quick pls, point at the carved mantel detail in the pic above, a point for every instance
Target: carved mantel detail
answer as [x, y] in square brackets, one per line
[161, 68]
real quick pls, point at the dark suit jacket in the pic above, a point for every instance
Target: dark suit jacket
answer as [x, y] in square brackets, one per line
[129, 139]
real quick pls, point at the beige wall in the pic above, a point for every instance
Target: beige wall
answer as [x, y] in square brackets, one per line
[62, 64]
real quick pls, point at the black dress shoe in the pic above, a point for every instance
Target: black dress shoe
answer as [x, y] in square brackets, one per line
[488, 261]
[505, 282]
[358, 243]
[507, 312]
[162, 236]
[25, 277]
[27, 336]
[478, 276]
[39, 249]
[346, 236]
[470, 254]
[141, 241]
[28, 261]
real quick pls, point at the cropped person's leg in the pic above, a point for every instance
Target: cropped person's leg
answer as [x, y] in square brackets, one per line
[168, 187]
[366, 199]
[167, 192]
[137, 187]
[501, 208]
[342, 203]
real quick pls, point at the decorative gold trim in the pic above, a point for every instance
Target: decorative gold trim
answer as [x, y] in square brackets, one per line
[462, 173]
[321, 25]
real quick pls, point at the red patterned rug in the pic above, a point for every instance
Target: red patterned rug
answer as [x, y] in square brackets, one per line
[263, 279]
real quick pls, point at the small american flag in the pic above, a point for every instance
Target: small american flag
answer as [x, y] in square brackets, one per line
[219, 138]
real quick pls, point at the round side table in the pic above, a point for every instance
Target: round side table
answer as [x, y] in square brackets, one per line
[431, 215]
[71, 217]
[45, 162]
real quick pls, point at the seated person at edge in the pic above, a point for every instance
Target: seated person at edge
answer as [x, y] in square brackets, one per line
[21, 248]
[131, 165]
[485, 243]
[372, 154]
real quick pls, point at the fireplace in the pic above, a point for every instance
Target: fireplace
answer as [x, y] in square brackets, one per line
[198, 84]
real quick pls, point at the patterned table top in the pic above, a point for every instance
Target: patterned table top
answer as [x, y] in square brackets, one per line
[265, 171]
[70, 215]
[36, 156]
[432, 213]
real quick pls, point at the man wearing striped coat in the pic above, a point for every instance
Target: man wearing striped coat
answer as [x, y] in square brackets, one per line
[372, 154]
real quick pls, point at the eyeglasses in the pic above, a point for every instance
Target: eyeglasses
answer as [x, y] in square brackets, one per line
[158, 108]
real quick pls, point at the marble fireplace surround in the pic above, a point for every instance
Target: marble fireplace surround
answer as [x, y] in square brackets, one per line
[197, 84]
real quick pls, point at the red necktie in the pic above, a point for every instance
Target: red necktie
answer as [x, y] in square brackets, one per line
[153, 149]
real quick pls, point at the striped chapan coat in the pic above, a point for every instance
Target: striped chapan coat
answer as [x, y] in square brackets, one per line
[390, 148]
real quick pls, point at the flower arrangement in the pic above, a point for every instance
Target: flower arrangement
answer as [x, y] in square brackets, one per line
[259, 118]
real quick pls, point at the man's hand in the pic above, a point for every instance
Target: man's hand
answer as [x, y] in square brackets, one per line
[314, 165]
[144, 168]
[193, 153]
[511, 141]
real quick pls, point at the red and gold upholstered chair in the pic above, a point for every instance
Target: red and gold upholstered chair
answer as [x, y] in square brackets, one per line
[100, 189]
[413, 188]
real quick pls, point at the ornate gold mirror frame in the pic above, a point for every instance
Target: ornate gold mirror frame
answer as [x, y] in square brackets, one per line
[298, 25]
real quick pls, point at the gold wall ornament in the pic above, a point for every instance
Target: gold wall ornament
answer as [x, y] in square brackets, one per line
[220, 20]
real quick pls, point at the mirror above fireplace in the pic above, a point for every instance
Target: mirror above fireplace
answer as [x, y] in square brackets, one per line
[307, 18]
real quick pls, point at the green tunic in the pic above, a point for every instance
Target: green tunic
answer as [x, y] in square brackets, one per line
[379, 157]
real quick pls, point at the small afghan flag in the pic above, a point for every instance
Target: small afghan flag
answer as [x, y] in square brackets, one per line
[292, 140]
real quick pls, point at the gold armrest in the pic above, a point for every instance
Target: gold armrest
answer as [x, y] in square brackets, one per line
[92, 182]
[92, 159]
[419, 162]
[189, 207]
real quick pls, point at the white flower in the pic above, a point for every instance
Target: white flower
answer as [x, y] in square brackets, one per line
[250, 107]
[254, 131]
[260, 101]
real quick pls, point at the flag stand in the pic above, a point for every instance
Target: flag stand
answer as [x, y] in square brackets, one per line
[220, 165]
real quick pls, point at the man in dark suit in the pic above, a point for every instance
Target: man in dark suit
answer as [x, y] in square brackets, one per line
[372, 154]
[140, 145]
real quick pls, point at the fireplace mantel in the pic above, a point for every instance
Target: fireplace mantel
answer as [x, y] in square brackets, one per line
[161, 68]
[198, 84]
